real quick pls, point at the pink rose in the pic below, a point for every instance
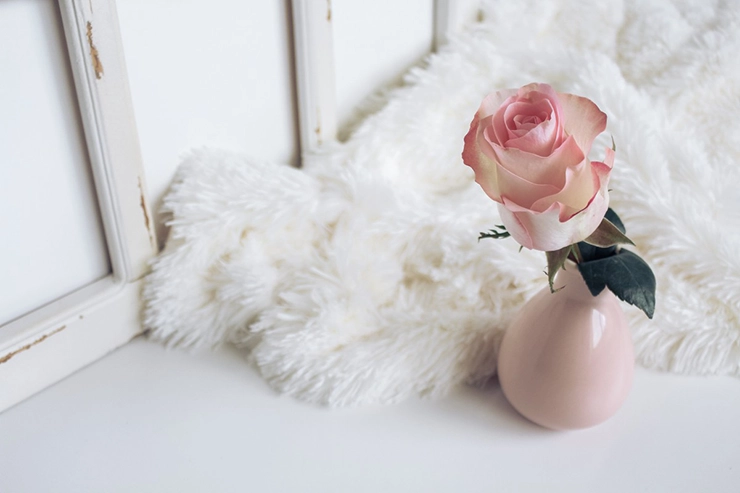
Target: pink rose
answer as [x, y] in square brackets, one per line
[529, 150]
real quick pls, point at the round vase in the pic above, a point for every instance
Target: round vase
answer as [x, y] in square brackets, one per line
[566, 361]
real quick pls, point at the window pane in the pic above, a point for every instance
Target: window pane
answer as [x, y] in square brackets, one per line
[51, 236]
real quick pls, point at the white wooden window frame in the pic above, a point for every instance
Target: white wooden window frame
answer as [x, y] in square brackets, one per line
[53, 341]
[314, 62]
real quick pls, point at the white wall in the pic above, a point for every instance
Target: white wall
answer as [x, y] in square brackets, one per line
[375, 44]
[219, 73]
[214, 73]
[51, 238]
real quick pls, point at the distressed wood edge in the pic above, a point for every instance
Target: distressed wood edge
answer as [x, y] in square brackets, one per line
[104, 97]
[51, 341]
[81, 336]
[315, 75]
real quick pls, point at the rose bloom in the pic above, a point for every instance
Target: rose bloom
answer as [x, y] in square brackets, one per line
[529, 150]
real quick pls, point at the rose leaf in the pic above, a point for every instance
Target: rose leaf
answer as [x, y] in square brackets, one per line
[591, 252]
[626, 275]
[615, 220]
[606, 235]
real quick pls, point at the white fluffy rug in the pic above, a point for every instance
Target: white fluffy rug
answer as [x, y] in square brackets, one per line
[359, 278]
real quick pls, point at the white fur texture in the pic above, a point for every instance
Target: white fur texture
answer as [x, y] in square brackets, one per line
[359, 279]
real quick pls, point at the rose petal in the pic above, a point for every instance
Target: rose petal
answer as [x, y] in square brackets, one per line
[486, 141]
[597, 206]
[500, 132]
[493, 101]
[575, 197]
[581, 185]
[514, 226]
[601, 175]
[536, 87]
[539, 140]
[526, 192]
[586, 221]
[537, 169]
[609, 158]
[546, 91]
[582, 119]
[544, 231]
[540, 110]
[549, 230]
[534, 230]
[482, 165]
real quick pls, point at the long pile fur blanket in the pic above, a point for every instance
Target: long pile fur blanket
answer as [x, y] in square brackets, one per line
[359, 279]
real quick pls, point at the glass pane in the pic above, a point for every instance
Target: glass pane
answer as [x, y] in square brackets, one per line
[375, 43]
[51, 236]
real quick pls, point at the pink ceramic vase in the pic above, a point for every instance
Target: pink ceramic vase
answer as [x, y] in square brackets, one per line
[567, 360]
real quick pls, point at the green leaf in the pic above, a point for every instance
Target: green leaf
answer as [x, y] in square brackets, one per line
[555, 261]
[615, 220]
[626, 275]
[496, 235]
[591, 252]
[606, 235]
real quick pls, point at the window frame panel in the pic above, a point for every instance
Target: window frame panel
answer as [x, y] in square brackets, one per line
[56, 339]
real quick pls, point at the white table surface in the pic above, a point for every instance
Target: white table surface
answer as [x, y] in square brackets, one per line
[147, 419]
